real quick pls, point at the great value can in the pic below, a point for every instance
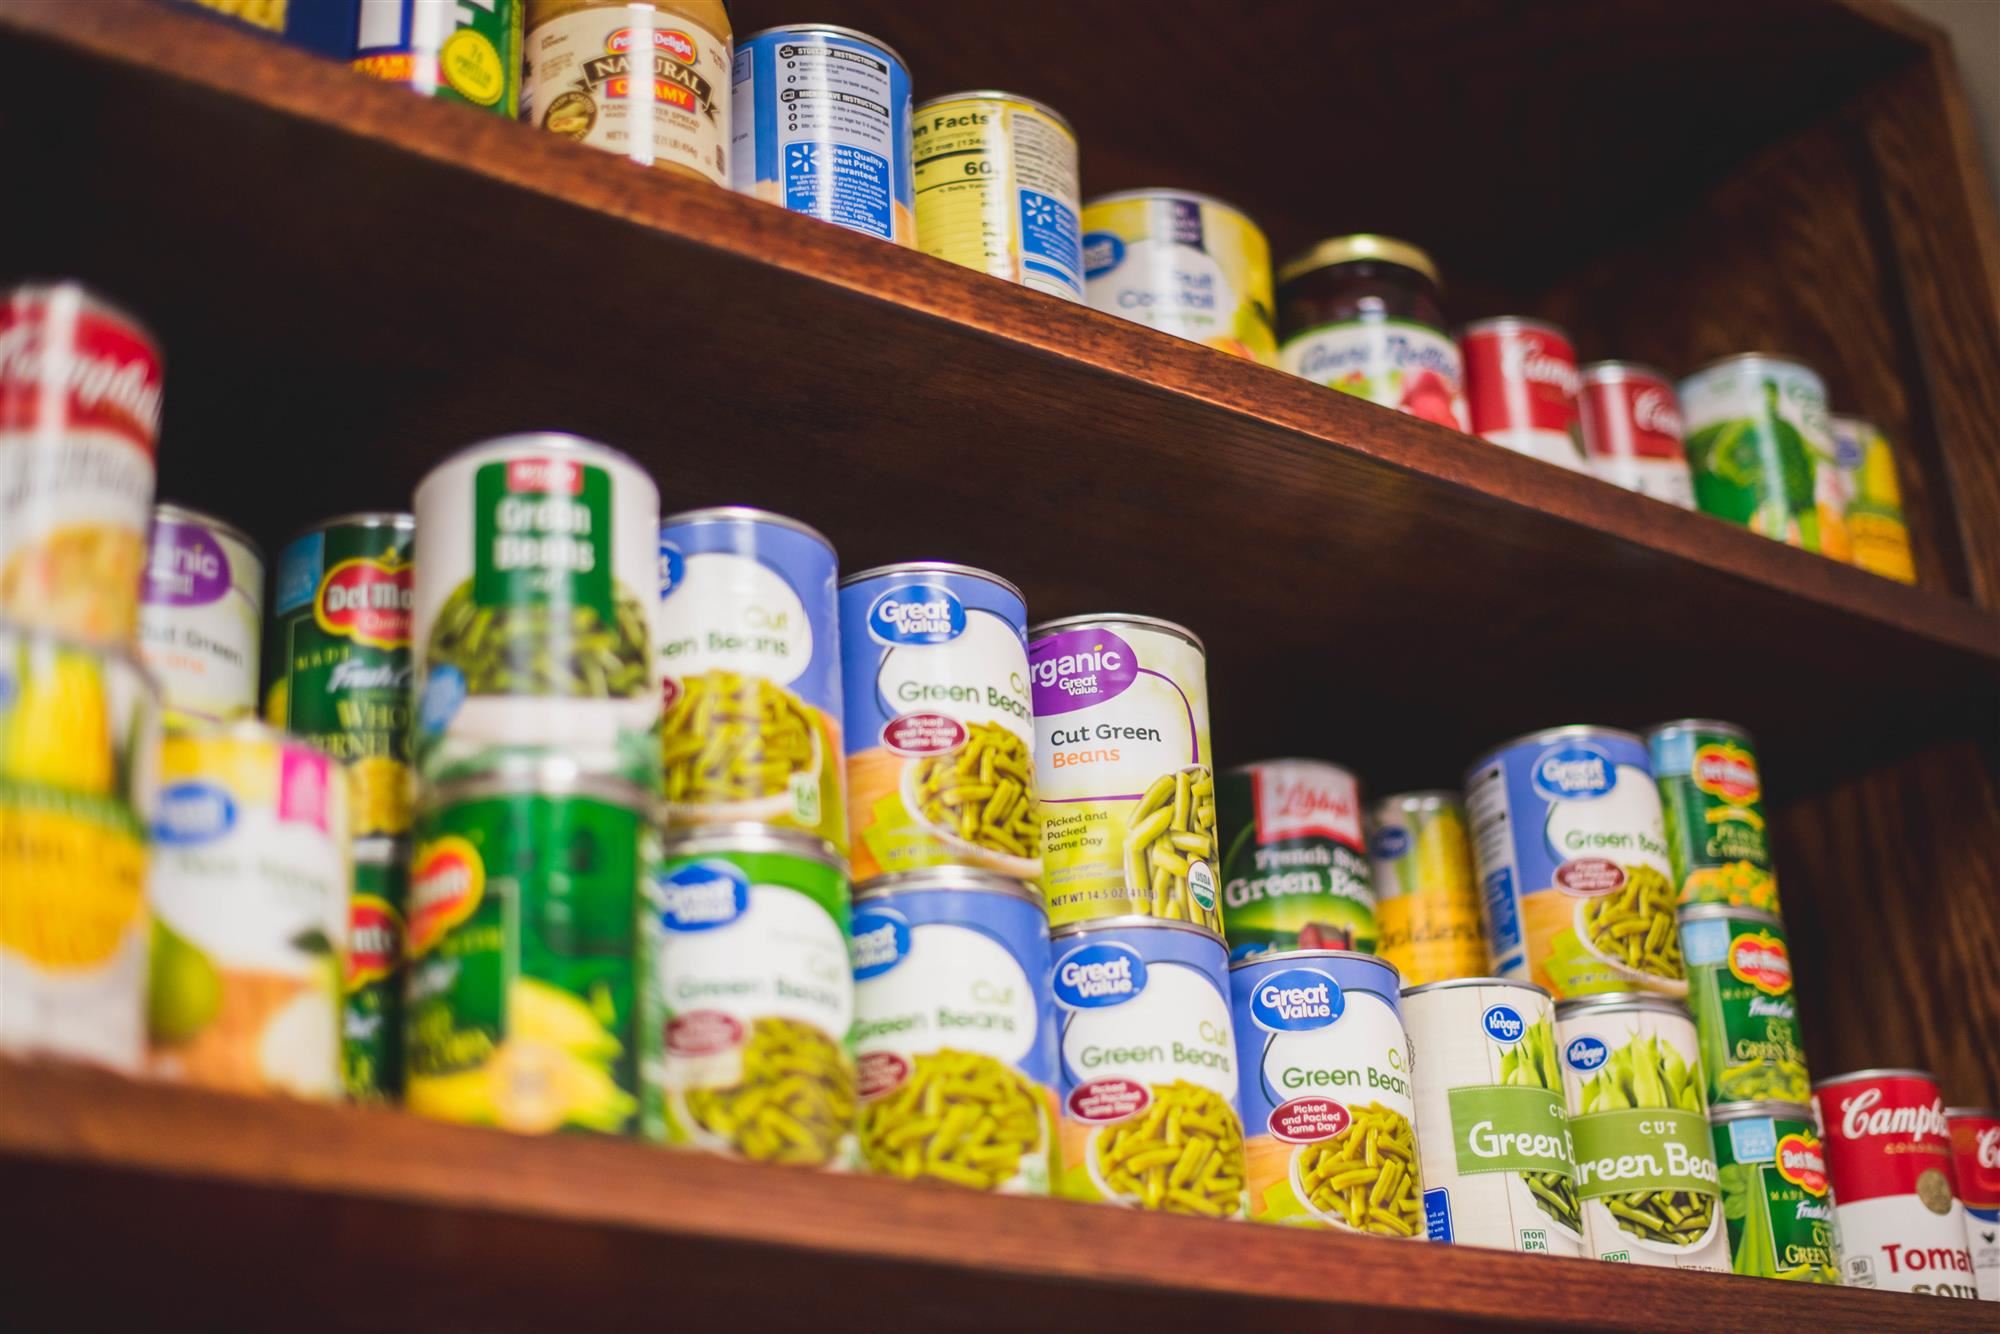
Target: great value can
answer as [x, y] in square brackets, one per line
[1638, 1124]
[337, 662]
[1148, 1075]
[822, 127]
[1573, 863]
[201, 611]
[523, 952]
[535, 603]
[249, 890]
[1495, 1148]
[465, 53]
[1712, 795]
[79, 419]
[1761, 451]
[1294, 871]
[1126, 770]
[1632, 431]
[1185, 264]
[954, 1030]
[996, 184]
[1975, 1154]
[750, 672]
[372, 1018]
[1771, 1166]
[747, 1016]
[1426, 896]
[1740, 989]
[1876, 531]
[940, 739]
[1888, 1148]
[1521, 388]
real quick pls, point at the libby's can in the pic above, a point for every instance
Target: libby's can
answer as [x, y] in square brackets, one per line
[996, 185]
[465, 53]
[1740, 990]
[1632, 431]
[1771, 1166]
[1185, 264]
[1426, 897]
[1521, 388]
[1975, 1155]
[1712, 796]
[372, 1016]
[1295, 875]
[201, 612]
[1876, 529]
[1761, 451]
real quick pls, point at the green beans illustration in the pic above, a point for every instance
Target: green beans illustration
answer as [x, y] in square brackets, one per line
[1366, 1176]
[1636, 924]
[795, 1101]
[960, 1117]
[1531, 1063]
[984, 792]
[544, 648]
[1647, 1072]
[731, 737]
[1183, 1154]
[1172, 826]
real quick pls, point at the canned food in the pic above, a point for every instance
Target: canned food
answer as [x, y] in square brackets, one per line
[338, 667]
[1632, 431]
[1572, 856]
[470, 54]
[1876, 532]
[1149, 1078]
[1761, 451]
[1294, 873]
[535, 605]
[747, 1015]
[1185, 264]
[1897, 1217]
[940, 741]
[1638, 1124]
[996, 184]
[822, 127]
[79, 420]
[1712, 797]
[1740, 989]
[1426, 898]
[201, 611]
[1126, 770]
[372, 1033]
[1771, 1166]
[79, 745]
[1521, 388]
[1975, 1153]
[1495, 1152]
[954, 1030]
[249, 889]
[523, 905]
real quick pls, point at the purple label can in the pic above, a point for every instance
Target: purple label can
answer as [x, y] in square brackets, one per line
[201, 609]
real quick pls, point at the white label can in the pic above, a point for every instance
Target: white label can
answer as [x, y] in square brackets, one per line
[201, 613]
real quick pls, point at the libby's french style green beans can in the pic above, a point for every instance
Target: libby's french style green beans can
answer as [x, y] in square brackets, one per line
[1712, 796]
[371, 1047]
[1740, 989]
[1295, 872]
[1772, 1169]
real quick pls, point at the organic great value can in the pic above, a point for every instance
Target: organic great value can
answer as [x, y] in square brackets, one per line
[1638, 1124]
[1632, 431]
[522, 945]
[1126, 770]
[1426, 896]
[747, 1015]
[1899, 1224]
[1876, 530]
[464, 53]
[535, 603]
[1521, 388]
[954, 1030]
[822, 127]
[1148, 1075]
[1975, 1155]
[372, 1018]
[1771, 1166]
[1573, 863]
[996, 185]
[1495, 1148]
[201, 611]
[1294, 872]
[749, 652]
[1185, 264]
[1712, 796]
[940, 738]
[1740, 989]
[1761, 451]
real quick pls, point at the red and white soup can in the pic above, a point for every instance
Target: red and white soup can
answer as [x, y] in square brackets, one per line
[1521, 388]
[1975, 1164]
[1632, 432]
[1896, 1210]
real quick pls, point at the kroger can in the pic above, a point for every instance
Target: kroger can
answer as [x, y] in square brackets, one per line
[1888, 1149]
[750, 672]
[1712, 796]
[1573, 864]
[1126, 770]
[1521, 388]
[1740, 989]
[372, 1033]
[1294, 873]
[1761, 451]
[535, 603]
[746, 1019]
[822, 126]
[465, 53]
[1771, 1166]
[337, 662]
[1638, 1124]
[996, 185]
[1426, 896]
[1876, 531]
[1185, 264]
[1495, 1151]
[200, 613]
[523, 908]
[954, 1030]
[1975, 1153]
[249, 888]
[1632, 431]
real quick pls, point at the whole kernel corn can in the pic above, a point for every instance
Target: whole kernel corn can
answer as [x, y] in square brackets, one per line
[1427, 905]
[372, 1018]
[1295, 874]
[1771, 1165]
[1712, 798]
[1185, 264]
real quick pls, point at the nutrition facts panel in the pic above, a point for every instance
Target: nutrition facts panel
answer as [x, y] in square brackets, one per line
[997, 188]
[825, 127]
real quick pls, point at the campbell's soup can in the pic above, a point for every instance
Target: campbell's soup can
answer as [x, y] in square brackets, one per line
[1521, 388]
[1896, 1209]
[1975, 1155]
[1295, 873]
[1632, 431]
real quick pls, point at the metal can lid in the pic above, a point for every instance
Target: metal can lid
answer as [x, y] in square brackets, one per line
[1617, 1002]
[965, 879]
[1252, 766]
[1168, 193]
[903, 567]
[826, 30]
[744, 514]
[1875, 1072]
[541, 442]
[536, 771]
[1549, 734]
[998, 95]
[1699, 725]
[1730, 912]
[1513, 324]
[380, 850]
[746, 836]
[1134, 920]
[1974, 1113]
[1453, 983]
[187, 514]
[1775, 1108]
[1108, 619]
[1613, 372]
[1773, 358]
[402, 523]
[1286, 956]
[1337, 250]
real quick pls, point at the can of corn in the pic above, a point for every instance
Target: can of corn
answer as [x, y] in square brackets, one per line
[201, 610]
[1185, 264]
[747, 1016]
[1295, 875]
[1496, 1158]
[954, 1031]
[1712, 797]
[1876, 530]
[1740, 989]
[996, 185]
[372, 1018]
[1426, 897]
[1772, 1169]
[1638, 1125]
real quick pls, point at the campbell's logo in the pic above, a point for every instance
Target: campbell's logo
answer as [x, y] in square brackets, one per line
[1090, 977]
[880, 940]
[447, 880]
[1654, 409]
[672, 41]
[701, 896]
[1296, 1000]
[1305, 803]
[1728, 771]
[374, 940]
[1763, 961]
[917, 614]
[1579, 771]
[98, 368]
[1862, 1116]
[368, 600]
[1525, 358]
[193, 812]
[1074, 669]
[1986, 1147]
[1503, 1023]
[545, 477]
[1801, 1160]
[1586, 1053]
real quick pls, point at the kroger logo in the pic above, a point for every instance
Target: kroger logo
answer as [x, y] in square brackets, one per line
[1575, 772]
[881, 941]
[194, 813]
[1503, 1023]
[1390, 842]
[1092, 976]
[1586, 1053]
[701, 896]
[1296, 1000]
[673, 567]
[917, 614]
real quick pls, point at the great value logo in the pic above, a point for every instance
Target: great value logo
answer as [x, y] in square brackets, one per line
[701, 896]
[1075, 669]
[916, 614]
[1297, 1000]
[1575, 772]
[1093, 976]
[192, 813]
[1586, 1053]
[673, 567]
[186, 567]
[1503, 1023]
[881, 940]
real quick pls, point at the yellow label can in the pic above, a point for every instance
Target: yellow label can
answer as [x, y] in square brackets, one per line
[1426, 898]
[1184, 264]
[1876, 530]
[996, 183]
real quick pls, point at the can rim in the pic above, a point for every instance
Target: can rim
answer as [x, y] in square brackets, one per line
[547, 442]
[1848, 418]
[548, 772]
[1548, 734]
[1757, 1107]
[1276, 956]
[1737, 730]
[998, 95]
[1249, 765]
[397, 519]
[1452, 983]
[1513, 323]
[1040, 628]
[1127, 921]
[966, 879]
[1780, 358]
[1613, 370]
[1731, 912]
[376, 849]
[180, 513]
[1612, 1001]
[746, 514]
[936, 567]
[1356, 247]
[125, 654]
[830, 30]
[1442, 794]
[91, 296]
[1875, 1072]
[1984, 1113]
[1149, 192]
[748, 836]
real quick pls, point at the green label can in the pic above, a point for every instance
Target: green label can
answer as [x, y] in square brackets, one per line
[1712, 797]
[1774, 1192]
[1295, 870]
[1761, 449]
[1740, 989]
[372, 1036]
[524, 890]
[465, 53]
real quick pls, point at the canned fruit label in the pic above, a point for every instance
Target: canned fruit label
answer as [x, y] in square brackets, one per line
[1875, 525]
[1772, 1172]
[748, 1010]
[200, 615]
[1761, 452]
[1713, 799]
[1521, 388]
[1426, 896]
[1740, 989]
[372, 1019]
[1399, 364]
[1293, 872]
[955, 1038]
[996, 187]
[1185, 266]
[1888, 1145]
[1632, 435]
[472, 56]
[1975, 1151]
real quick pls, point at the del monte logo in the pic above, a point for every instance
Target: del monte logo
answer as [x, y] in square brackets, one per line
[368, 600]
[374, 940]
[1575, 772]
[1763, 961]
[1728, 771]
[1801, 1160]
[447, 880]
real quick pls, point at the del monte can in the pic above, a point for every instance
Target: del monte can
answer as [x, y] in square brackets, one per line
[1771, 1164]
[1712, 795]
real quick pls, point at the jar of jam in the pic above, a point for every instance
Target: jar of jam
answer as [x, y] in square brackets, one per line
[1362, 314]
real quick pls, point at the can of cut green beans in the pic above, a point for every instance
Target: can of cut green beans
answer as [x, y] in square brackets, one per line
[1713, 799]
[1772, 1169]
[1740, 989]
[372, 1016]
[535, 603]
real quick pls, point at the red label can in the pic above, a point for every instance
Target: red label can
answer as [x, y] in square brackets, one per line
[1521, 388]
[1632, 431]
[1975, 1160]
[1888, 1150]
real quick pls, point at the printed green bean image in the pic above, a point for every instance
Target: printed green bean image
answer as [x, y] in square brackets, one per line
[1183, 1154]
[960, 1117]
[1531, 1063]
[1647, 1072]
[544, 648]
[795, 1102]
[1172, 826]
[731, 737]
[1636, 924]
[984, 792]
[1366, 1176]
[1759, 1080]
